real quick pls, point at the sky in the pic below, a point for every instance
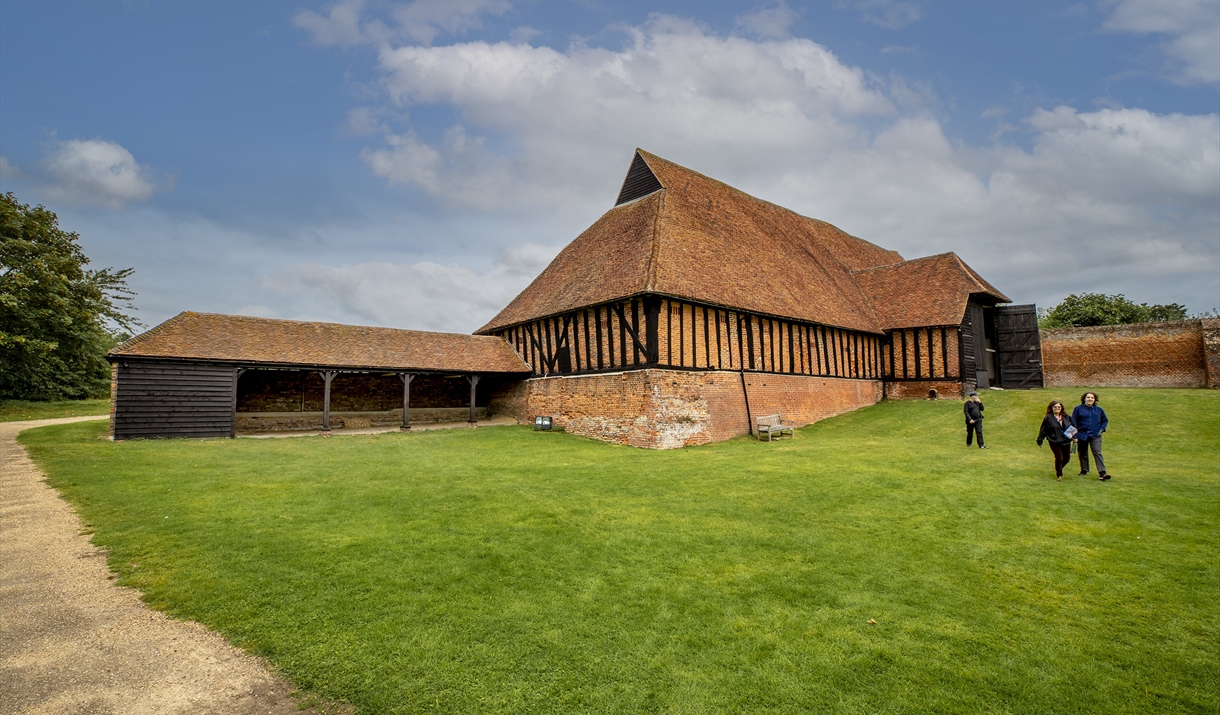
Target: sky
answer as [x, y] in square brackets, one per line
[416, 164]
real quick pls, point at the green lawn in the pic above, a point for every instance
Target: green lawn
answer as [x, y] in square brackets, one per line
[502, 570]
[21, 410]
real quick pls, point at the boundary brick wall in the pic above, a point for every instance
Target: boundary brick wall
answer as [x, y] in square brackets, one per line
[667, 409]
[1171, 354]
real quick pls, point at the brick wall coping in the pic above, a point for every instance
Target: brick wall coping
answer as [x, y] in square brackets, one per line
[1140, 328]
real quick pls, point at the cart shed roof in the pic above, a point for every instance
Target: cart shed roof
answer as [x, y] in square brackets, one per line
[263, 341]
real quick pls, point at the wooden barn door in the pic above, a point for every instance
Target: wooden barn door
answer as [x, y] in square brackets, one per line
[1018, 347]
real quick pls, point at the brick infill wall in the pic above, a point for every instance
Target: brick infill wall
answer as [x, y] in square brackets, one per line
[667, 409]
[1171, 354]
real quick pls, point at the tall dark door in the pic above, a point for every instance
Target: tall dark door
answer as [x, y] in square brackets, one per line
[979, 337]
[1018, 347]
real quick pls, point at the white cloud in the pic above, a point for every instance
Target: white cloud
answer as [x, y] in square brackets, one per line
[424, 295]
[1192, 29]
[9, 171]
[1113, 200]
[768, 21]
[892, 14]
[95, 171]
[340, 26]
[673, 87]
[345, 24]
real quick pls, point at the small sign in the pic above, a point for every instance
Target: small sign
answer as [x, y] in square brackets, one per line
[542, 423]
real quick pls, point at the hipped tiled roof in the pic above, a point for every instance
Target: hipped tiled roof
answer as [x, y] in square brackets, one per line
[702, 240]
[923, 292]
[262, 341]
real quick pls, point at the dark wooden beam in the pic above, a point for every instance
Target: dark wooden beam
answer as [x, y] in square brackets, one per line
[474, 382]
[406, 378]
[652, 315]
[237, 372]
[327, 376]
[627, 330]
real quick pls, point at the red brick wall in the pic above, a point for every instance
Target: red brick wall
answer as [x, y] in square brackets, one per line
[918, 390]
[1142, 355]
[665, 409]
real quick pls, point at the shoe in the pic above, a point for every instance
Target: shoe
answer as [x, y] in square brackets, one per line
[1060, 479]
[1104, 477]
[1083, 474]
[982, 447]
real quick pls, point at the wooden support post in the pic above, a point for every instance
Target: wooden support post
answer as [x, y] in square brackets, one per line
[237, 372]
[474, 381]
[652, 315]
[406, 378]
[327, 376]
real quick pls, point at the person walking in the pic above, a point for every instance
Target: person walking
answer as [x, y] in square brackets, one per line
[1058, 430]
[1090, 421]
[973, 410]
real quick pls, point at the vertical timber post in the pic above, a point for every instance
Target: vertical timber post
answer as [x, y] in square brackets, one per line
[327, 376]
[474, 381]
[233, 417]
[406, 378]
[652, 316]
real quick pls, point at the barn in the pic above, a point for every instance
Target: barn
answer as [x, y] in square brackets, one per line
[683, 313]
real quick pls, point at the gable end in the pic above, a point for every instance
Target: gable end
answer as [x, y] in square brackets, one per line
[640, 182]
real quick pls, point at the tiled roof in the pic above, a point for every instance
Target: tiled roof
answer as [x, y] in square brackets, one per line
[241, 339]
[923, 292]
[702, 240]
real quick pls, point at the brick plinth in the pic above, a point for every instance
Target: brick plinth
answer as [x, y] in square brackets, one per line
[918, 389]
[1143, 355]
[666, 409]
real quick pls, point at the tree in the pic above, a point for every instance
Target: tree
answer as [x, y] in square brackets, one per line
[57, 318]
[1097, 309]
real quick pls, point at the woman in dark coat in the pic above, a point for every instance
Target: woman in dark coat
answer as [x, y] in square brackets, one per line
[1091, 420]
[1053, 427]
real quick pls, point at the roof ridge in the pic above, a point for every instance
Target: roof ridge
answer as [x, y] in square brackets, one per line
[908, 260]
[655, 250]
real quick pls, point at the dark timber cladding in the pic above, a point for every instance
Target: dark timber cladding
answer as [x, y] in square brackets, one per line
[657, 331]
[640, 181]
[169, 398]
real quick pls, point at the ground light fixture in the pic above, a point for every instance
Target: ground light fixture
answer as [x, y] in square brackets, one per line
[542, 423]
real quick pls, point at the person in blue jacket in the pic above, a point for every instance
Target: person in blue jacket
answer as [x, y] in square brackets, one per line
[1090, 421]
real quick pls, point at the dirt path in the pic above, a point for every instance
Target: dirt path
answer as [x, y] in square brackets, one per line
[73, 642]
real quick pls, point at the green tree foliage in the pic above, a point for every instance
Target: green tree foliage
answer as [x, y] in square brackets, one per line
[1097, 309]
[57, 318]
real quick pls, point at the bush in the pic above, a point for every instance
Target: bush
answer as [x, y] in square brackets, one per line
[1097, 309]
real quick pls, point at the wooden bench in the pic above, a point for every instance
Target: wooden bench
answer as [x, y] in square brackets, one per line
[773, 425]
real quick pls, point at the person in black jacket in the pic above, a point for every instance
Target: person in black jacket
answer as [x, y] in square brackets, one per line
[1054, 426]
[974, 418]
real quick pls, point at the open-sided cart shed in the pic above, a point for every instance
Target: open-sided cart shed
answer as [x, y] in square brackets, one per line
[181, 378]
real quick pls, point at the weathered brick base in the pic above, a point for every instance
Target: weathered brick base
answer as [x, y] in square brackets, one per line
[1211, 351]
[918, 390]
[1143, 355]
[279, 421]
[666, 409]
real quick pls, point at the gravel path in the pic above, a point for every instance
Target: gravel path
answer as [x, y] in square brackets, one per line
[73, 642]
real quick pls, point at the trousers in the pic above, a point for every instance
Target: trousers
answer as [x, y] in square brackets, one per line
[1093, 445]
[1063, 454]
[972, 429]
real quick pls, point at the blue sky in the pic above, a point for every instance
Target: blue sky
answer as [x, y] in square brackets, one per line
[415, 164]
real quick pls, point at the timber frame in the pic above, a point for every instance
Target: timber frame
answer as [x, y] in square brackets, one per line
[656, 331]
